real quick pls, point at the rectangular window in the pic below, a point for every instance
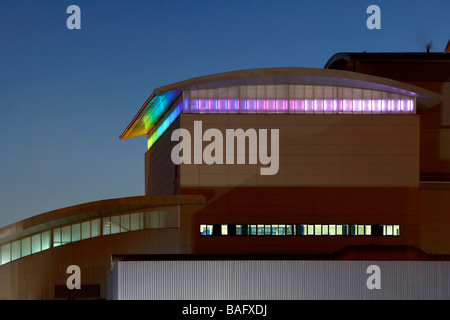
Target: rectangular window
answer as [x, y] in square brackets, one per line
[274, 229]
[389, 230]
[332, 229]
[56, 237]
[135, 221]
[106, 226]
[396, 230]
[339, 230]
[318, 229]
[46, 240]
[224, 229]
[325, 229]
[260, 230]
[95, 228]
[310, 229]
[252, 230]
[76, 232]
[289, 230]
[361, 229]
[15, 250]
[125, 223]
[203, 229]
[35, 243]
[303, 229]
[368, 230]
[238, 229]
[345, 229]
[115, 224]
[26, 246]
[267, 230]
[282, 229]
[6, 253]
[85, 230]
[65, 234]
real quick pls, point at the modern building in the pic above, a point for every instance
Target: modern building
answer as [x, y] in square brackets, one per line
[264, 175]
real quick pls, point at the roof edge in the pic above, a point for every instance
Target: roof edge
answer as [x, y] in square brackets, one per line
[67, 215]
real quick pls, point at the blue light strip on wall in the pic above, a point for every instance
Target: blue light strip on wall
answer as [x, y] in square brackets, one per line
[165, 123]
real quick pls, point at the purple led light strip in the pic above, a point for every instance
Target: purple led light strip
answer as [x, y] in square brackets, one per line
[302, 106]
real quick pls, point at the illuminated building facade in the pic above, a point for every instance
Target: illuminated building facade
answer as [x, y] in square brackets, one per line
[322, 164]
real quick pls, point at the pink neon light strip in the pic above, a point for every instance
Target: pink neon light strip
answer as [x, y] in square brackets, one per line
[311, 106]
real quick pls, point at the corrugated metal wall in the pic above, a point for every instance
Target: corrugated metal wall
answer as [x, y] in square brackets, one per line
[279, 280]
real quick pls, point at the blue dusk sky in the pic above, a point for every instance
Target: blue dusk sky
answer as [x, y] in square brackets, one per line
[67, 95]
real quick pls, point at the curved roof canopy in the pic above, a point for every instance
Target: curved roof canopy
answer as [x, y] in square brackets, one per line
[162, 98]
[95, 209]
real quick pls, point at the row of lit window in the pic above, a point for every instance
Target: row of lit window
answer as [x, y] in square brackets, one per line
[299, 229]
[308, 106]
[164, 218]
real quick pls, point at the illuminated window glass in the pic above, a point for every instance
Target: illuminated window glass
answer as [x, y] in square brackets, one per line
[318, 229]
[332, 229]
[86, 230]
[6, 253]
[56, 237]
[345, 229]
[135, 219]
[46, 240]
[361, 229]
[389, 230]
[95, 228]
[203, 229]
[106, 226]
[35, 243]
[115, 224]
[260, 229]
[289, 230]
[76, 232]
[303, 229]
[26, 246]
[274, 229]
[15, 250]
[224, 229]
[125, 223]
[65, 234]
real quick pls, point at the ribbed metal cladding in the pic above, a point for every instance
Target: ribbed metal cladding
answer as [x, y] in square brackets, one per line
[279, 280]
